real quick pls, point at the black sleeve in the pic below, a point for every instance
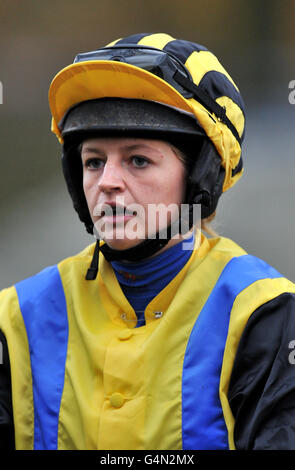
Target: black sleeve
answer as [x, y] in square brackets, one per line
[6, 416]
[262, 386]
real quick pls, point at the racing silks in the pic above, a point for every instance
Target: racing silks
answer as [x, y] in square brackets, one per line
[83, 377]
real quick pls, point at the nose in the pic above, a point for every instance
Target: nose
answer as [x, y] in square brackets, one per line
[111, 178]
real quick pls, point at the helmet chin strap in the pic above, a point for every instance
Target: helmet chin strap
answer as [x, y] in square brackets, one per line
[143, 250]
[136, 253]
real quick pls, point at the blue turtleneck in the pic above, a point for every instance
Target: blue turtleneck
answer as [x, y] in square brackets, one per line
[141, 281]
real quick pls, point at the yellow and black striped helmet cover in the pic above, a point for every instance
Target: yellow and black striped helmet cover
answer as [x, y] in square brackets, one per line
[208, 73]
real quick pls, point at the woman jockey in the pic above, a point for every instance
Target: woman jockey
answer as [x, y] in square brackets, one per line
[155, 336]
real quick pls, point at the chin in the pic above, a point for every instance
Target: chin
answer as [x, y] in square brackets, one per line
[121, 244]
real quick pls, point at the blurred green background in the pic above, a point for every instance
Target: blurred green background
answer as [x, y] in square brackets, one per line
[254, 40]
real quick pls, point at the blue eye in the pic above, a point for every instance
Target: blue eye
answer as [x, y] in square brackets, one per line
[94, 163]
[139, 162]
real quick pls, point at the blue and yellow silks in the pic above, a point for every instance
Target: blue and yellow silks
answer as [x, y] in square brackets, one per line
[83, 377]
[141, 281]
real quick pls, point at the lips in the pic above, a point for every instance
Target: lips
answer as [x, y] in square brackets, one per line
[112, 210]
[117, 211]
